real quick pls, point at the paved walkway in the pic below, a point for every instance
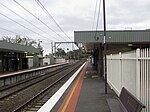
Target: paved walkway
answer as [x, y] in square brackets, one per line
[86, 94]
[92, 96]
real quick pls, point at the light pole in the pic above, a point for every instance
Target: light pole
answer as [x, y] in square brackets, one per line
[40, 47]
[52, 47]
[105, 47]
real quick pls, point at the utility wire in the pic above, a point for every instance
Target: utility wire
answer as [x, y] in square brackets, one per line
[25, 19]
[15, 32]
[97, 20]
[51, 17]
[20, 34]
[98, 14]
[22, 25]
[94, 14]
[9, 31]
[38, 19]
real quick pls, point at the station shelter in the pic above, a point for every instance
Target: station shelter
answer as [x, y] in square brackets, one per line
[13, 56]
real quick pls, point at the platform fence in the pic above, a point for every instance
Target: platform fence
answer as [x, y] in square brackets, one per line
[132, 71]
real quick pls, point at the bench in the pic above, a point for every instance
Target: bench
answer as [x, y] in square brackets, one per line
[125, 103]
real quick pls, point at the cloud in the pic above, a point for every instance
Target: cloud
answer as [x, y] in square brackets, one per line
[72, 15]
[128, 13]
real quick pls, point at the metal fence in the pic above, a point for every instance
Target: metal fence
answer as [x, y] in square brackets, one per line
[132, 71]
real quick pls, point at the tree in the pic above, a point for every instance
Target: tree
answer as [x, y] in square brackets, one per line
[27, 41]
[22, 41]
[76, 54]
[60, 52]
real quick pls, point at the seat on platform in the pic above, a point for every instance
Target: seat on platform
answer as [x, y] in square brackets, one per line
[125, 103]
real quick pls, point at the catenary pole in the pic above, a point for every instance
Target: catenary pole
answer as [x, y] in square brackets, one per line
[52, 47]
[105, 47]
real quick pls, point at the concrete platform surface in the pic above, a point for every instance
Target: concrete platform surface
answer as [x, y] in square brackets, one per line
[92, 96]
[85, 94]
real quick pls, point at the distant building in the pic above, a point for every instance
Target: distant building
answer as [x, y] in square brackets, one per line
[49, 59]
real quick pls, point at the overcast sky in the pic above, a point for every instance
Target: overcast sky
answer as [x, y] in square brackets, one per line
[71, 15]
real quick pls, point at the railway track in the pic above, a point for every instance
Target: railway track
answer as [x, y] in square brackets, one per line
[35, 94]
[10, 90]
[3, 88]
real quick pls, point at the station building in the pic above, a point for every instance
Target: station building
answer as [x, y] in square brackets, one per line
[117, 41]
[127, 59]
[13, 56]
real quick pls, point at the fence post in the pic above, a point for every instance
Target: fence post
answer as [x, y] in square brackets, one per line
[110, 72]
[120, 70]
[138, 74]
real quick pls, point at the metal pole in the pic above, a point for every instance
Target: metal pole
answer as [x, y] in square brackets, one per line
[55, 48]
[105, 47]
[52, 47]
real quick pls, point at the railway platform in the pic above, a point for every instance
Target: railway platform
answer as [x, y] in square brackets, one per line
[10, 78]
[86, 93]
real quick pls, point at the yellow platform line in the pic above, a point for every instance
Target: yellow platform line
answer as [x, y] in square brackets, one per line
[67, 102]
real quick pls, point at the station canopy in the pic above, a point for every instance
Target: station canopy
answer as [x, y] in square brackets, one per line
[7, 46]
[117, 40]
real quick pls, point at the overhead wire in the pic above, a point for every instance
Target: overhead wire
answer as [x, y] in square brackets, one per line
[97, 19]
[16, 32]
[94, 14]
[38, 19]
[51, 17]
[22, 25]
[25, 20]
[13, 32]
[10, 31]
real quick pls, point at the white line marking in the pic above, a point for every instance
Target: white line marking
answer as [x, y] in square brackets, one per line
[47, 107]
